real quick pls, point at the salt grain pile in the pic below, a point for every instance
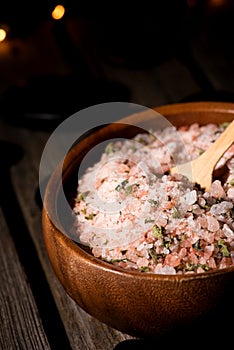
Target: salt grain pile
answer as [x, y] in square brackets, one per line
[131, 213]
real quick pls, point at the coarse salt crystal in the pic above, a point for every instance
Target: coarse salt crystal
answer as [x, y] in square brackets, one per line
[183, 213]
[202, 220]
[217, 190]
[200, 270]
[164, 270]
[227, 231]
[142, 262]
[172, 260]
[212, 263]
[212, 224]
[191, 197]
[221, 208]
[230, 193]
[202, 202]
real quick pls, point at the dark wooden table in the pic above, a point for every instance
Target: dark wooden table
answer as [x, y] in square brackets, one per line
[35, 311]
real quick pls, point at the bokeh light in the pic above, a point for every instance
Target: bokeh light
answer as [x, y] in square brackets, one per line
[2, 34]
[58, 12]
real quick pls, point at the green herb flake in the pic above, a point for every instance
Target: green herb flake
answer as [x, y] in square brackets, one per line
[82, 196]
[158, 231]
[153, 202]
[193, 267]
[175, 213]
[153, 255]
[110, 148]
[190, 267]
[121, 186]
[200, 151]
[128, 190]
[90, 216]
[167, 241]
[197, 245]
[148, 220]
[224, 125]
[204, 266]
[142, 141]
[133, 148]
[231, 182]
[144, 269]
[223, 248]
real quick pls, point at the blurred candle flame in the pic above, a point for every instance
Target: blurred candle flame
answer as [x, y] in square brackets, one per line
[58, 12]
[2, 34]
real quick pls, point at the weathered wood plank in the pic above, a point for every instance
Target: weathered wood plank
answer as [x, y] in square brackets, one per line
[84, 332]
[21, 328]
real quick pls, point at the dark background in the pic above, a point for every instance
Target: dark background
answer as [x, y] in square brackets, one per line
[150, 53]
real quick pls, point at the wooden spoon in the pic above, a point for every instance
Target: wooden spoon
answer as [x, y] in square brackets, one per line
[200, 169]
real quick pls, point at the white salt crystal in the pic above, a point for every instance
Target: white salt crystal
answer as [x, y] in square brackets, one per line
[191, 197]
[165, 270]
[230, 193]
[227, 231]
[221, 208]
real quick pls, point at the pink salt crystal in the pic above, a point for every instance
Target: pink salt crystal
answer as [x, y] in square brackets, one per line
[97, 251]
[197, 209]
[212, 263]
[208, 251]
[230, 193]
[200, 270]
[225, 262]
[217, 190]
[228, 231]
[131, 255]
[162, 220]
[202, 202]
[172, 260]
[142, 262]
[212, 223]
[209, 236]
[202, 221]
[202, 260]
[193, 258]
[182, 253]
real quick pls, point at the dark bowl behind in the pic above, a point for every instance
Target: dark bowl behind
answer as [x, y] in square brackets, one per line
[136, 303]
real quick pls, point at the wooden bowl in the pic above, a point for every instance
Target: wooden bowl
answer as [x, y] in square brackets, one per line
[136, 303]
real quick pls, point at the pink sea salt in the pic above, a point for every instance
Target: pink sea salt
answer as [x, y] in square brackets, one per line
[230, 193]
[177, 227]
[212, 224]
[217, 190]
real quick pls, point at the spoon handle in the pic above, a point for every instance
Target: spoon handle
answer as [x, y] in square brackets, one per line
[200, 169]
[218, 148]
